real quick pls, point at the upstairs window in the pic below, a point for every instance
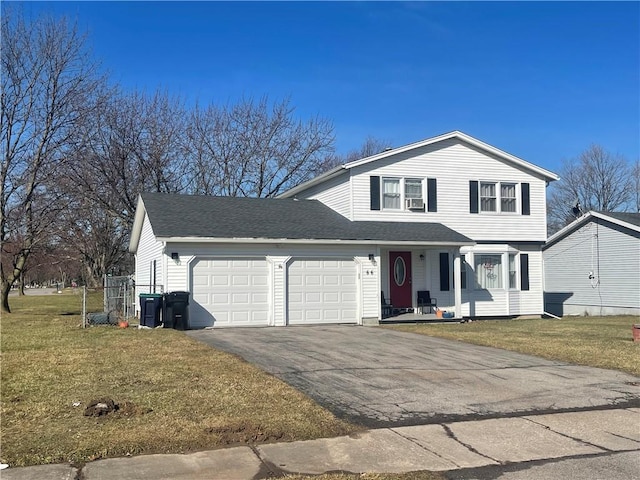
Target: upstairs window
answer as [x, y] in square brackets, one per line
[403, 194]
[498, 197]
[391, 193]
[508, 197]
[487, 197]
[413, 188]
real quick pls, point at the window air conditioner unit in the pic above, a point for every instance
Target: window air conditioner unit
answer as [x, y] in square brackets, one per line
[414, 203]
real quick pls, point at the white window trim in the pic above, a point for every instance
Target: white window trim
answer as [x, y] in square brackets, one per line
[498, 210]
[403, 196]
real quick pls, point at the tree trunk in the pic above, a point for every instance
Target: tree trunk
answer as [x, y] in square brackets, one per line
[21, 285]
[5, 289]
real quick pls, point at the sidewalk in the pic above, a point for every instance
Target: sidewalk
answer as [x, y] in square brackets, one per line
[441, 447]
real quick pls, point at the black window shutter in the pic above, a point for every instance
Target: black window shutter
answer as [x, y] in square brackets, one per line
[524, 271]
[374, 183]
[526, 209]
[473, 196]
[444, 272]
[432, 195]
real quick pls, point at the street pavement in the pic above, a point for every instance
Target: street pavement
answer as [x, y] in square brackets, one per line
[594, 445]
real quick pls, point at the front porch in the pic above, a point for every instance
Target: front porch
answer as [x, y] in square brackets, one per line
[417, 280]
[411, 317]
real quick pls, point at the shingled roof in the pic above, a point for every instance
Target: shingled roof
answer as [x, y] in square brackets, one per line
[198, 216]
[627, 220]
[632, 218]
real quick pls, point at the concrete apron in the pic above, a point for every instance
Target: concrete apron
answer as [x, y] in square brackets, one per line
[438, 447]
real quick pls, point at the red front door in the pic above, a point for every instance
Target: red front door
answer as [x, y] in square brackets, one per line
[400, 279]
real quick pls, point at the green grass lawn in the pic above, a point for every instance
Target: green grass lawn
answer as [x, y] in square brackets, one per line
[604, 342]
[179, 395]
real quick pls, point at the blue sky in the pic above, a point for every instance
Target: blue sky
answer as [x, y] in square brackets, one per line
[541, 80]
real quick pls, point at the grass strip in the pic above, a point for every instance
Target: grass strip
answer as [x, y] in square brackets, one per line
[604, 342]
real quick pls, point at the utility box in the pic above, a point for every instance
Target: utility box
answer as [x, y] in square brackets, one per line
[150, 309]
[176, 310]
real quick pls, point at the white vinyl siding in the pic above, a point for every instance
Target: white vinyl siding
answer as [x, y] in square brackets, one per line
[149, 251]
[609, 252]
[335, 194]
[453, 164]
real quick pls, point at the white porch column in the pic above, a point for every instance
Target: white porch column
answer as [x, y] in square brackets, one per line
[457, 283]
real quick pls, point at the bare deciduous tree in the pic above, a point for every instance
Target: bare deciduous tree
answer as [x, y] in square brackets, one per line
[371, 146]
[48, 80]
[635, 186]
[254, 149]
[130, 144]
[596, 180]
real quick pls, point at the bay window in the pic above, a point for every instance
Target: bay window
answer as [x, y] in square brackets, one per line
[488, 271]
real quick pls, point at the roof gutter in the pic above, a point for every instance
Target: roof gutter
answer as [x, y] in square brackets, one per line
[307, 241]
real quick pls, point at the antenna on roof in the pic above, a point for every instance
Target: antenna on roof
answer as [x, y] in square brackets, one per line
[577, 209]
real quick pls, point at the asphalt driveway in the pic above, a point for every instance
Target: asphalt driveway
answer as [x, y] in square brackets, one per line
[383, 378]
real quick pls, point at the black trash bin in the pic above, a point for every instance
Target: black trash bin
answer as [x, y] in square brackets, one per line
[150, 309]
[176, 310]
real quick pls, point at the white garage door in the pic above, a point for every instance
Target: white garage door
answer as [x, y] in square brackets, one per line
[322, 291]
[230, 292]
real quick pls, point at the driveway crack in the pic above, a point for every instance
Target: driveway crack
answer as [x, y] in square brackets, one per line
[575, 439]
[415, 442]
[452, 435]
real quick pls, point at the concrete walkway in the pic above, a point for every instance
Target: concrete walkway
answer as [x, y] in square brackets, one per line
[438, 447]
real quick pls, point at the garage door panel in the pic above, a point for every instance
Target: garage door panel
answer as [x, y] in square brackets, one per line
[312, 297]
[231, 292]
[321, 291]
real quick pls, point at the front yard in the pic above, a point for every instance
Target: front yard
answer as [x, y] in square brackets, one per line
[604, 342]
[175, 394]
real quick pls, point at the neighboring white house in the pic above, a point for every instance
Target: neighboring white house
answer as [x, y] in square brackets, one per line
[450, 214]
[592, 266]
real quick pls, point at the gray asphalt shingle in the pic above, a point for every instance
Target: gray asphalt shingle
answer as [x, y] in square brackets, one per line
[173, 215]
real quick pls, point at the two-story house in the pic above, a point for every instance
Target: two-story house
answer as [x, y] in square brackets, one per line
[450, 215]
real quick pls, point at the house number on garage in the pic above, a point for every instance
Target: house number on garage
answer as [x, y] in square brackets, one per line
[399, 271]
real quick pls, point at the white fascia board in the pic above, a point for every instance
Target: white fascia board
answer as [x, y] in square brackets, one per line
[308, 241]
[314, 181]
[583, 220]
[622, 223]
[548, 175]
[136, 230]
[566, 230]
